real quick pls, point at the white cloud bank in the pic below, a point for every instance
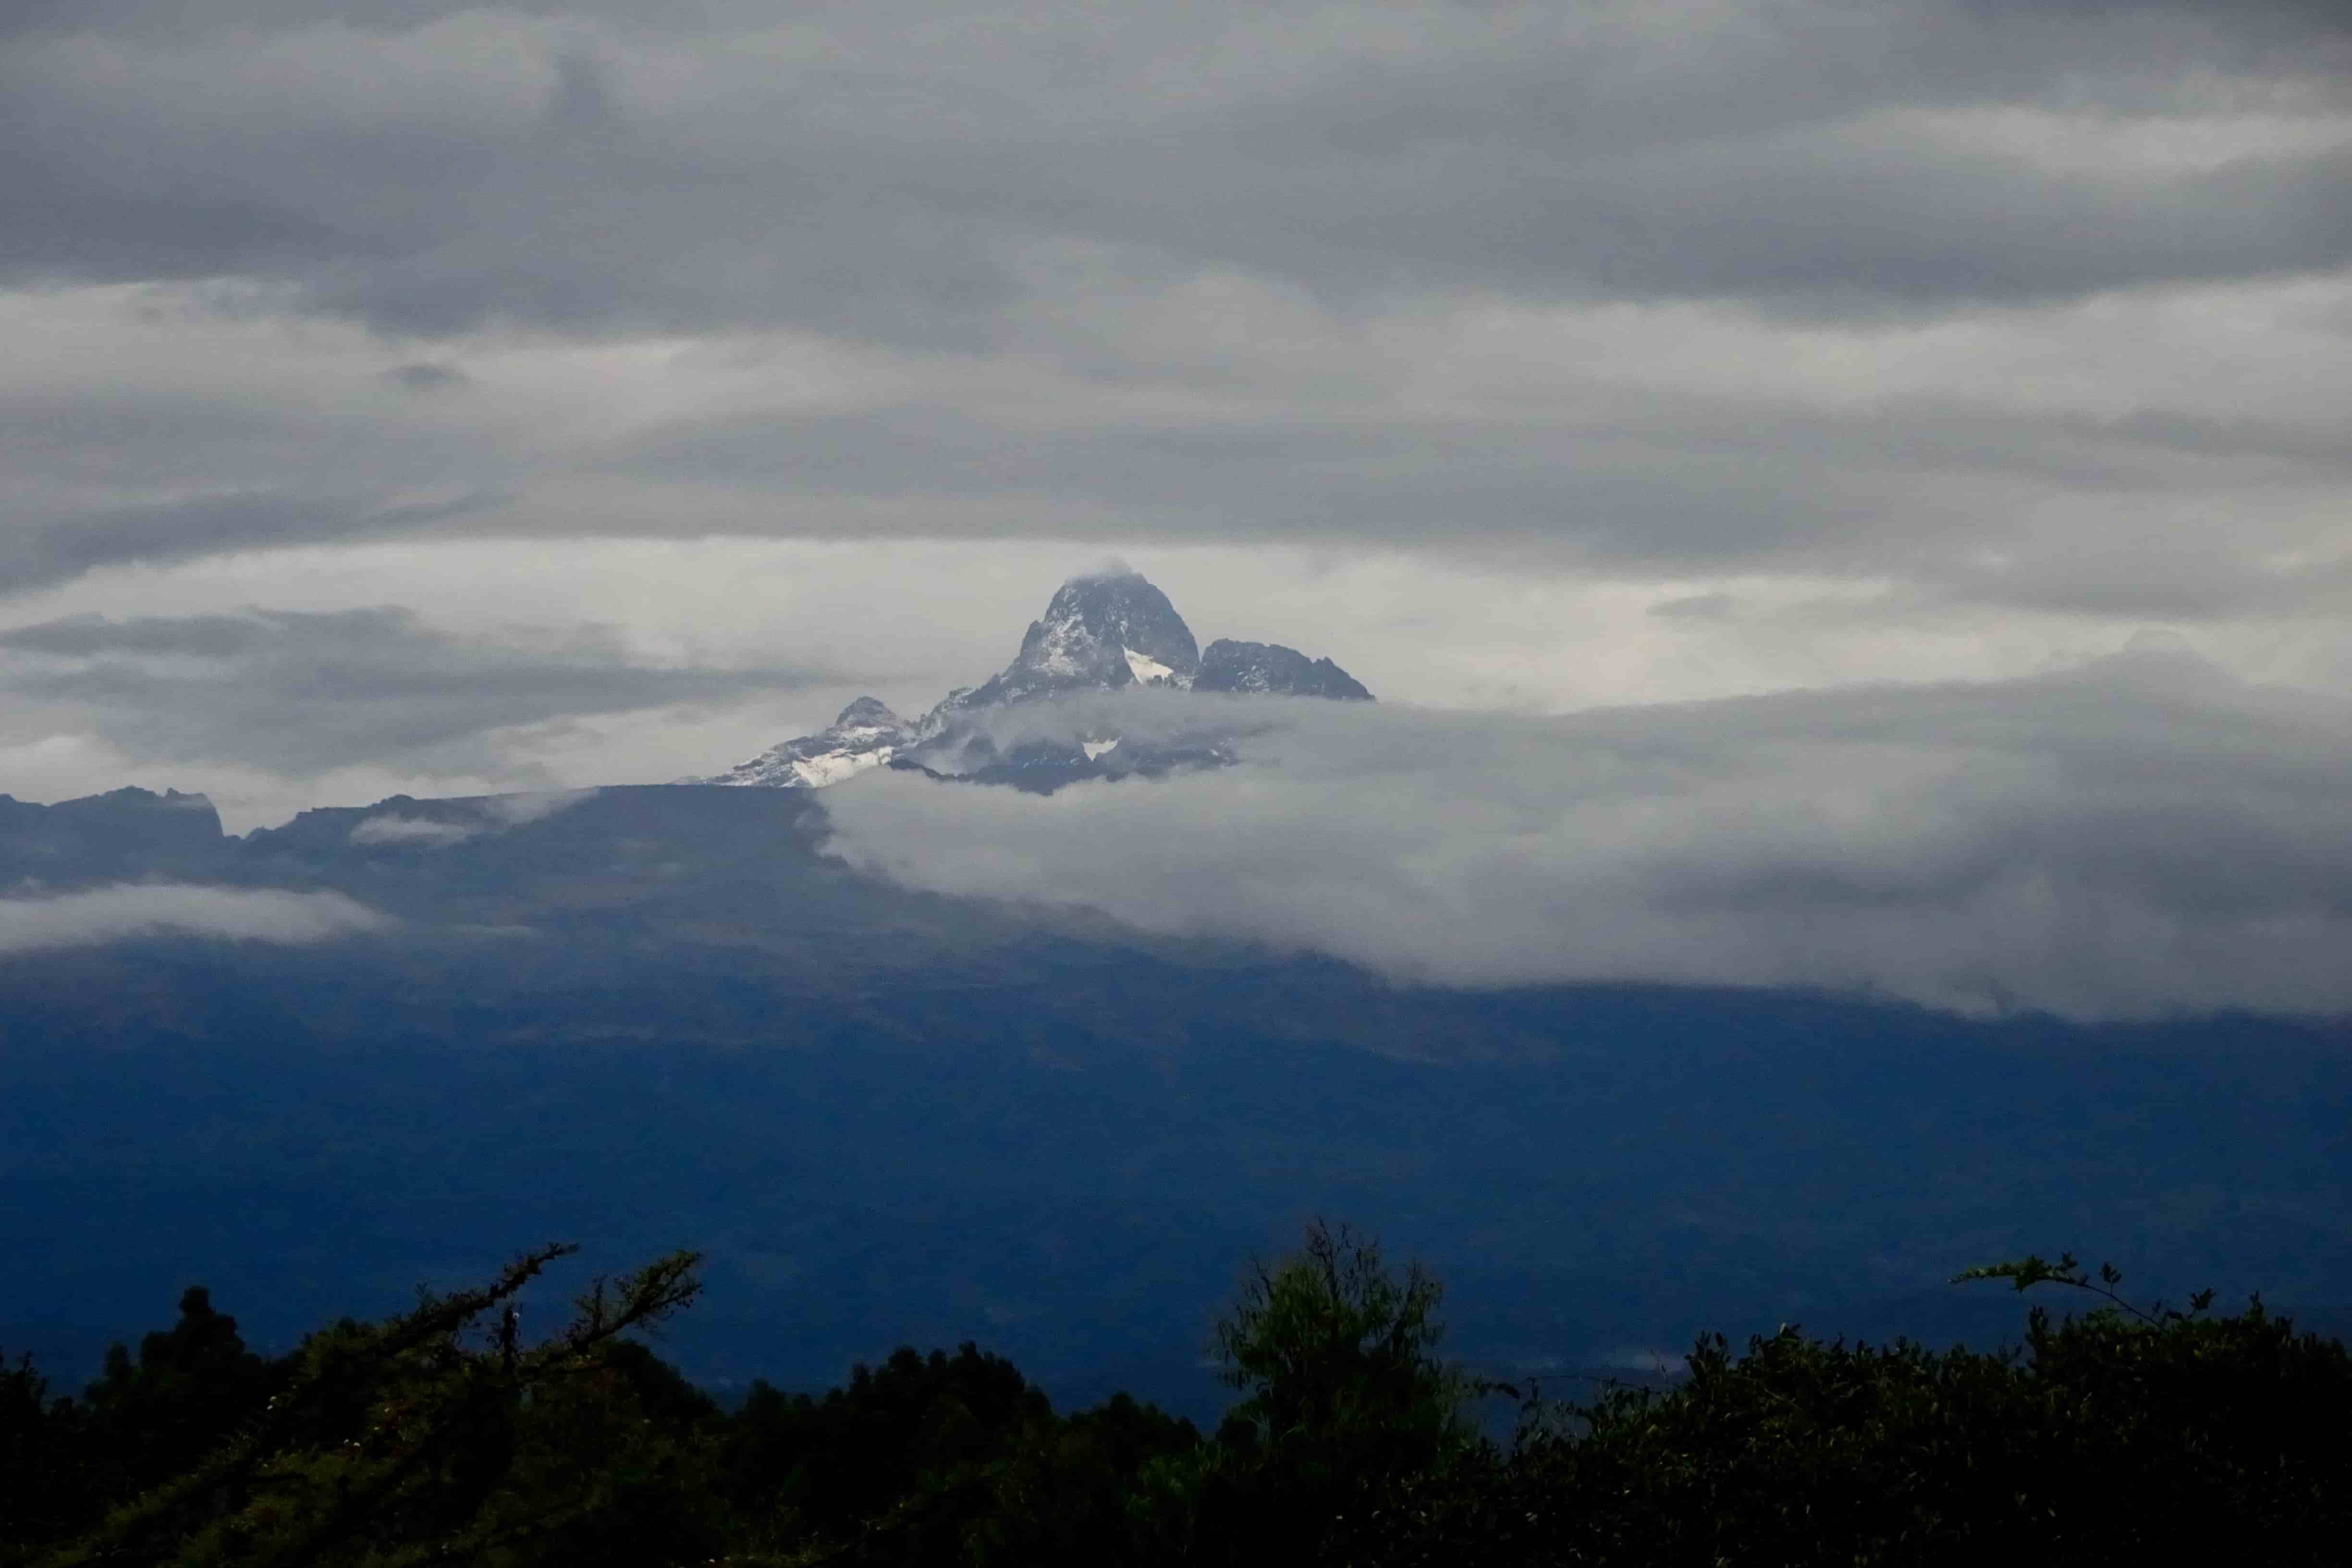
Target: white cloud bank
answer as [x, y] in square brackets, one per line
[2138, 837]
[241, 914]
[492, 813]
[394, 828]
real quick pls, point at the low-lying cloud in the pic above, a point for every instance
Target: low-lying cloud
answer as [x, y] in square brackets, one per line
[237, 914]
[394, 828]
[2138, 838]
[434, 824]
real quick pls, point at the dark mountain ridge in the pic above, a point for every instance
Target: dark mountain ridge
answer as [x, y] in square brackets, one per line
[1257, 667]
[123, 834]
[661, 1015]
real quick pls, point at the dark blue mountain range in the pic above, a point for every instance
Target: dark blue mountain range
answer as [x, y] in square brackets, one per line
[659, 1016]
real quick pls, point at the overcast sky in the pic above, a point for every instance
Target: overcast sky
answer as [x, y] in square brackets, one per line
[410, 396]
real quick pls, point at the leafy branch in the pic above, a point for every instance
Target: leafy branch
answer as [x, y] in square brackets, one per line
[284, 1490]
[2032, 1270]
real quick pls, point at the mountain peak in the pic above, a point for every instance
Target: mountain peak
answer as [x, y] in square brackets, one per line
[1100, 631]
[1122, 606]
[868, 711]
[1103, 630]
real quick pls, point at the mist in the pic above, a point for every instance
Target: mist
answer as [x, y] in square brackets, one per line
[2141, 837]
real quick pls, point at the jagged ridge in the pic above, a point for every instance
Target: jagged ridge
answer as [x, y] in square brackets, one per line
[1272, 669]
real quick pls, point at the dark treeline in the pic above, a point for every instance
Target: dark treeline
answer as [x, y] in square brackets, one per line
[2117, 1433]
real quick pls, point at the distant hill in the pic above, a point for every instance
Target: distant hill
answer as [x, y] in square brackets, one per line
[650, 1017]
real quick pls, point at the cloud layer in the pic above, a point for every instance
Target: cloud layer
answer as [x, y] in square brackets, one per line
[2138, 837]
[1966, 334]
[305, 691]
[2010, 302]
[235, 914]
[904, 170]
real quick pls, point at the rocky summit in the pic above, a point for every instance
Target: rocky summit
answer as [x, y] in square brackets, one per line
[1099, 633]
[1270, 667]
[865, 735]
[1104, 631]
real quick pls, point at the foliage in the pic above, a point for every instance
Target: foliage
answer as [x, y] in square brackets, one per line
[385, 1444]
[141, 1423]
[45, 1486]
[941, 1458]
[1335, 1351]
[2124, 1434]
[1343, 1395]
[439, 1436]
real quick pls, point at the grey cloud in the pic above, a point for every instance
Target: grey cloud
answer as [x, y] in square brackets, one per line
[302, 691]
[241, 914]
[1811, 215]
[204, 448]
[571, 215]
[39, 553]
[425, 377]
[885, 185]
[1285, 476]
[1696, 608]
[2257, 21]
[175, 19]
[1657, 482]
[2139, 837]
[91, 636]
[1067, 208]
[59, 222]
[394, 828]
[2193, 580]
[2260, 23]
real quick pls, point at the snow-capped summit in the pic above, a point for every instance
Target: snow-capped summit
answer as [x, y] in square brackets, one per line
[865, 735]
[1103, 631]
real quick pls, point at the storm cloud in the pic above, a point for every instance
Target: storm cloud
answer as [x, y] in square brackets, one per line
[2140, 836]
